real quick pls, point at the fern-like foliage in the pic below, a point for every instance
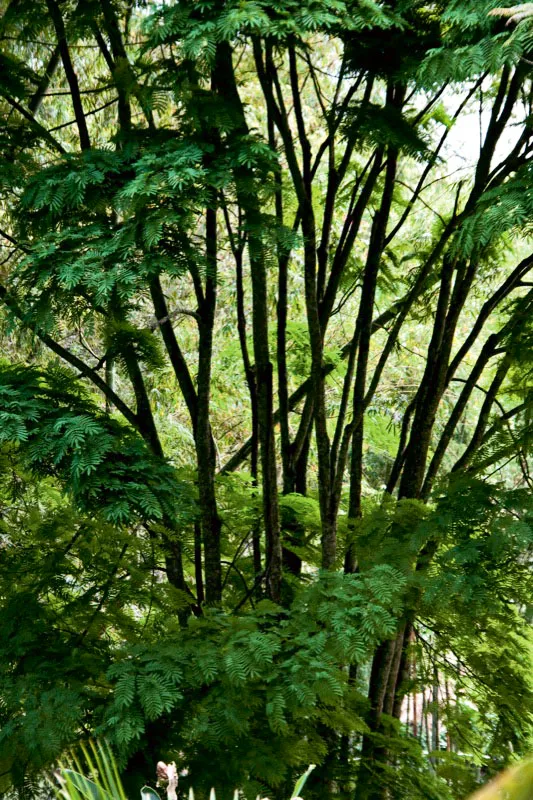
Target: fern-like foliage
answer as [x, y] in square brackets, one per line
[375, 125]
[266, 673]
[103, 464]
[197, 30]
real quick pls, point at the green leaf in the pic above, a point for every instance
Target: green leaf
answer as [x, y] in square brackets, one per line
[300, 783]
[84, 786]
[148, 793]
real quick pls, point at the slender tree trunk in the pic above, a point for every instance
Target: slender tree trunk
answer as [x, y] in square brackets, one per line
[404, 669]
[120, 63]
[292, 529]
[226, 86]
[364, 320]
[198, 567]
[51, 67]
[110, 380]
[72, 78]
[369, 786]
[249, 372]
[305, 196]
[435, 713]
[205, 451]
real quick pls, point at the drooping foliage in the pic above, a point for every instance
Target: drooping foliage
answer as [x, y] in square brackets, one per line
[265, 417]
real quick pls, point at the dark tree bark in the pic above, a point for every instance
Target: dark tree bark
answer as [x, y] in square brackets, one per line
[72, 78]
[227, 89]
[206, 456]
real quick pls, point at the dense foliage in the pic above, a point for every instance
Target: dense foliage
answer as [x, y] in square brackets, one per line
[266, 391]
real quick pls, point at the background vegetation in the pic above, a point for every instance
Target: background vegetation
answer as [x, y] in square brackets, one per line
[266, 391]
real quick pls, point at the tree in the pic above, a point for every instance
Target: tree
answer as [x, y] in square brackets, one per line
[245, 210]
